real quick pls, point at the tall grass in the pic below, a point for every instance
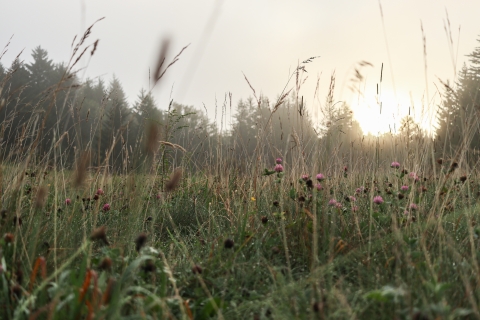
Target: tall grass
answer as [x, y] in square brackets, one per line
[216, 241]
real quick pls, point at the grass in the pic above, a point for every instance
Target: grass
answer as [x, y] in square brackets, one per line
[217, 241]
[212, 248]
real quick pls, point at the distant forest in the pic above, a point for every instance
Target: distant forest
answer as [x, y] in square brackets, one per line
[46, 113]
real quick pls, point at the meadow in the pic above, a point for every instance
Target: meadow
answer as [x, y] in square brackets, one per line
[303, 232]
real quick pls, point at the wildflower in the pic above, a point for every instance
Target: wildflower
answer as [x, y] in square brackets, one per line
[345, 169]
[332, 202]
[278, 168]
[378, 199]
[100, 192]
[68, 201]
[310, 183]
[359, 190]
[253, 198]
[319, 186]
[99, 234]
[305, 177]
[395, 165]
[159, 196]
[140, 241]
[229, 244]
[413, 176]
[339, 205]
[352, 198]
[404, 188]
[320, 177]
[105, 264]
[106, 207]
[413, 207]
[8, 237]
[278, 161]
[354, 208]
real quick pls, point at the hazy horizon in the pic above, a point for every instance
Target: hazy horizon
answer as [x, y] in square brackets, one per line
[263, 40]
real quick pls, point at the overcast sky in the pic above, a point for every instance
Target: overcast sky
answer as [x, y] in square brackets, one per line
[264, 39]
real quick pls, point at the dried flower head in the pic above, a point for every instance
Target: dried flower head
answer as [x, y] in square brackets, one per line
[99, 234]
[229, 244]
[140, 241]
[196, 269]
[105, 264]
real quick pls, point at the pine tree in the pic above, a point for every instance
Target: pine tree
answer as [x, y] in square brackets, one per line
[457, 125]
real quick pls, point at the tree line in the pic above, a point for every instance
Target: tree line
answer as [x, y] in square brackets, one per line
[47, 114]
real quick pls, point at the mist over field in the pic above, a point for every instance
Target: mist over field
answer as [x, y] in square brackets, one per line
[239, 160]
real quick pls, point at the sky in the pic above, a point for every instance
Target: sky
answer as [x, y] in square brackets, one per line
[263, 40]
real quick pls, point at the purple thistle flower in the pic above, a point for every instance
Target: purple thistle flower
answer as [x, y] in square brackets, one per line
[332, 202]
[319, 187]
[359, 190]
[378, 199]
[305, 177]
[355, 208]
[278, 168]
[413, 207]
[395, 165]
[339, 205]
[320, 177]
[404, 188]
[352, 198]
[106, 207]
[278, 161]
[68, 201]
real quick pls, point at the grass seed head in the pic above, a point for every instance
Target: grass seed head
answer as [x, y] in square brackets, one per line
[174, 181]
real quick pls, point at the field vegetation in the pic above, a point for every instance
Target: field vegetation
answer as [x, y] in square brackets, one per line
[111, 211]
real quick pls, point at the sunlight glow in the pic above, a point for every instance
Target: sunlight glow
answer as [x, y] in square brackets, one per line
[379, 115]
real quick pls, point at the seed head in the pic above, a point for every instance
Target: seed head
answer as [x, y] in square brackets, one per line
[99, 234]
[196, 269]
[105, 264]
[174, 181]
[8, 237]
[229, 244]
[140, 241]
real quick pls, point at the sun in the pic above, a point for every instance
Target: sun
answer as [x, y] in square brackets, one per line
[378, 115]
